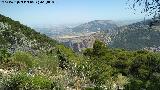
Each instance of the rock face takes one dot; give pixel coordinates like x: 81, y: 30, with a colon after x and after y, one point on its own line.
x: 79, y: 43
x: 83, y: 36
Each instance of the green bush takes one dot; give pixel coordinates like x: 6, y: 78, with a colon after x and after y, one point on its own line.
x: 23, y: 81
x: 24, y: 58
x: 4, y: 55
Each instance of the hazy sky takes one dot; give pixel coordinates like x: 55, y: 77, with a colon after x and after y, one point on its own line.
x: 69, y: 11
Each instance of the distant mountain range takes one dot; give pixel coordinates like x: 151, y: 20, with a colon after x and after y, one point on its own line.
x: 84, y: 35
x: 93, y: 26
x: 139, y: 35
x: 122, y: 34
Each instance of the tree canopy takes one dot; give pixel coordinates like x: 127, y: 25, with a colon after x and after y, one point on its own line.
x: 150, y: 7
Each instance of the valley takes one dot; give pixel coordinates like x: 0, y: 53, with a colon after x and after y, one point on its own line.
x: 80, y: 45
x: 105, y: 57
x: 132, y: 36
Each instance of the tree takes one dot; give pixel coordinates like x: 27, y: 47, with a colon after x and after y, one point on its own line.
x: 151, y: 7
x: 63, y: 62
x: 99, y: 48
x: 88, y: 52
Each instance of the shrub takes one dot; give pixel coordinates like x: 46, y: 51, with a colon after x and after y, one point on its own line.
x: 23, y: 81
x: 24, y: 58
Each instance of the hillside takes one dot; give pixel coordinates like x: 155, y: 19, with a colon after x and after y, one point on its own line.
x: 134, y: 36
x: 137, y: 36
x: 97, y: 25
x: 84, y: 35
x: 15, y: 36
x: 96, y: 68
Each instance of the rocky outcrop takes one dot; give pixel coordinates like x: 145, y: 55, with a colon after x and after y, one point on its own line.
x: 79, y: 43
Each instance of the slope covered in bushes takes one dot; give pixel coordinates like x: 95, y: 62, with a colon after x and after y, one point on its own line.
x: 14, y: 35
x: 59, y: 68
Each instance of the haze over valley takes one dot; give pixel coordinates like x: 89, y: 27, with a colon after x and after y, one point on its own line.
x: 110, y: 32
x: 80, y: 45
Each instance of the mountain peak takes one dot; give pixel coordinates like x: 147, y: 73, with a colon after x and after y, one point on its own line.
x: 96, y: 25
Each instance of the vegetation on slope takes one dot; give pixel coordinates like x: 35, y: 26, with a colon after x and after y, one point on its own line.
x: 137, y: 36
x: 98, y: 68
x: 14, y: 35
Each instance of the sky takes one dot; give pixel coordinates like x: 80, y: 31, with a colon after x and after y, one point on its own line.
x: 69, y: 12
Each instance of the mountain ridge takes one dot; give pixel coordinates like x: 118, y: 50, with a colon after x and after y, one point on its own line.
x: 140, y: 35
x: 96, y: 25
